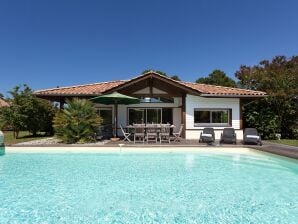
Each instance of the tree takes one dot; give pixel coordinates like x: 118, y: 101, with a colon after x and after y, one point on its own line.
x: 175, y: 77
x: 27, y: 112
x: 257, y: 115
x: 77, y: 122
x: 1, y: 96
x: 11, y: 118
x: 43, y: 113
x: 279, y: 79
x: 217, y: 77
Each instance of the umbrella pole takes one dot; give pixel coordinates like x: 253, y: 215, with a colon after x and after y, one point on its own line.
x: 116, y: 119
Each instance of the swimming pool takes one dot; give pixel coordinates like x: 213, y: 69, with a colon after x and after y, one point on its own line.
x: 196, y: 186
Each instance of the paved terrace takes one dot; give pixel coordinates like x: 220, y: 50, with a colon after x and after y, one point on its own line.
x: 278, y: 149
x: 282, y: 150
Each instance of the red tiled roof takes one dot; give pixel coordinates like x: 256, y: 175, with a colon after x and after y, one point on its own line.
x: 3, y: 103
x: 99, y: 88
x: 211, y: 90
x: 88, y: 89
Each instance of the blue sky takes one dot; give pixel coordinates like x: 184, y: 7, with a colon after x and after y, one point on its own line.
x: 50, y: 43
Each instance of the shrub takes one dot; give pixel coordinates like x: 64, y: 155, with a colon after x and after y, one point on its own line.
x: 265, y: 121
x: 27, y: 112
x: 77, y: 122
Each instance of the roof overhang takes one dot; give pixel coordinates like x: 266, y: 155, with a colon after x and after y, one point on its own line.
x: 232, y: 96
x: 166, y: 87
x: 59, y: 97
x: 154, y: 79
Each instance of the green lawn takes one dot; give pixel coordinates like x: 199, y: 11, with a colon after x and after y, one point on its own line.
x: 291, y: 142
x: 24, y: 136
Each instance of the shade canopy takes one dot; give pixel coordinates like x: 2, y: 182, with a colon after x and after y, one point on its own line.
x: 115, y: 98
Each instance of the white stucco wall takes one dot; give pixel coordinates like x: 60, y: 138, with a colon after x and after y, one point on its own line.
x: 192, y: 102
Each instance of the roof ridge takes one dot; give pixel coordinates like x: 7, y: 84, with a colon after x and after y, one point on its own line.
x: 74, y: 86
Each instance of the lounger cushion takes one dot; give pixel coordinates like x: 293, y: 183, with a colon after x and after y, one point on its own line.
x: 252, y: 136
x: 206, y: 135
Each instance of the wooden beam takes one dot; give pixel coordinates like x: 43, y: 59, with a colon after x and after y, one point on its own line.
x: 155, y: 95
x: 151, y: 87
x: 156, y: 79
x: 183, y: 115
x: 241, y: 113
x: 61, y: 102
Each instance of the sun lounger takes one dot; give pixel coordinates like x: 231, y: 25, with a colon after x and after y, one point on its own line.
x: 228, y: 136
x: 251, y: 136
x: 207, y: 136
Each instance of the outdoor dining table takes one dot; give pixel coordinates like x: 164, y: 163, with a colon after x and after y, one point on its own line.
x: 130, y: 128
x: 158, y: 126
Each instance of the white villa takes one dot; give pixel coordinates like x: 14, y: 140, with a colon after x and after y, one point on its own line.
x: 164, y: 100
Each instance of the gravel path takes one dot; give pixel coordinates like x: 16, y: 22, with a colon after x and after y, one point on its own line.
x: 55, y: 141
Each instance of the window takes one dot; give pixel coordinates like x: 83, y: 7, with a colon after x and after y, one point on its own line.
x: 154, y: 116
x: 136, y: 116
x: 150, y: 115
x: 106, y: 115
x: 167, y: 115
x: 156, y: 100
x: 212, y: 117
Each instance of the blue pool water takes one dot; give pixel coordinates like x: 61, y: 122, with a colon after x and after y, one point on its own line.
x: 147, y: 188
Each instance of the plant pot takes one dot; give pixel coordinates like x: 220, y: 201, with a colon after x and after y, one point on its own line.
x: 114, y: 139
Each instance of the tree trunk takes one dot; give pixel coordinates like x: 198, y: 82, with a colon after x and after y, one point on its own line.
x: 16, y: 133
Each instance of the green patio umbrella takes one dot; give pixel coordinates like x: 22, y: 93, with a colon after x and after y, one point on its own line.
x: 115, y: 99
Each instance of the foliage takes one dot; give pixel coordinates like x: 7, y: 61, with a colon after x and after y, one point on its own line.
x: 43, y: 112
x: 217, y: 77
x: 278, y: 78
x: 11, y: 118
x: 77, y: 122
x: 175, y: 77
x: 27, y: 112
x: 1, y: 96
x: 257, y: 115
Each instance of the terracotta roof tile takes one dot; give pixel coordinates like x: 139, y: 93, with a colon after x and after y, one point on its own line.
x: 221, y: 90
x: 3, y: 103
x: 88, y: 89
x: 98, y: 88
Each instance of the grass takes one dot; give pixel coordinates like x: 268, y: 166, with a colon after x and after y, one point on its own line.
x: 292, y: 142
x: 24, y: 136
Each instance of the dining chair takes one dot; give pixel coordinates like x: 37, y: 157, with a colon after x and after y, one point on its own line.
x: 177, y: 135
x: 139, y: 133
x: 164, y: 135
x: 151, y: 132
x: 125, y: 134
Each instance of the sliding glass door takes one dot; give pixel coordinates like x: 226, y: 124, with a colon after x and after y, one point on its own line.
x: 150, y: 115
x: 153, y: 116
x: 136, y: 116
x: 106, y: 115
